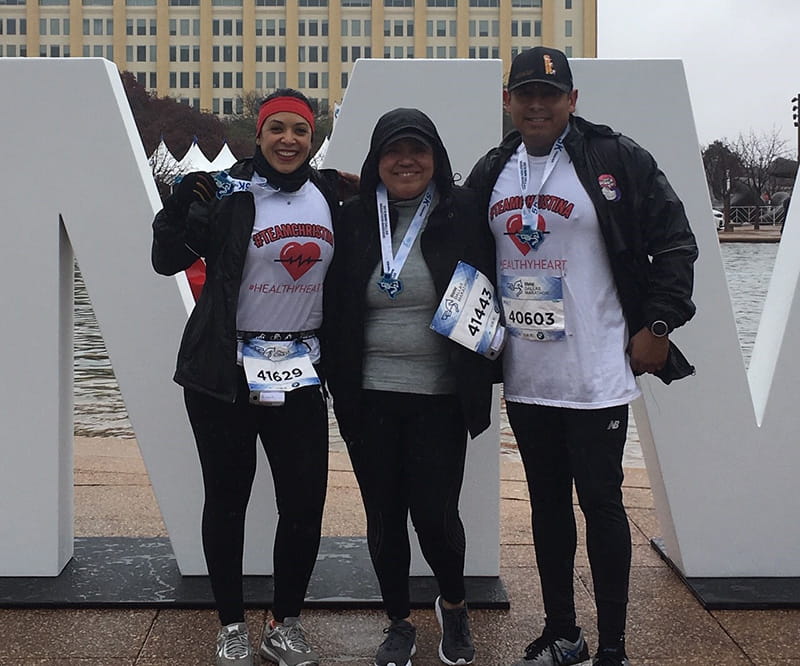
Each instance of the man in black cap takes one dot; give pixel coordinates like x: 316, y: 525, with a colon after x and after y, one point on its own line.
x: 595, y: 269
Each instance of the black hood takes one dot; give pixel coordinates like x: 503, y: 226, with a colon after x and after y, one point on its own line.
x: 405, y: 121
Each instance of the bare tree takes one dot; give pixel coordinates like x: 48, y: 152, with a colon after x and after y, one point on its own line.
x: 165, y: 171
x: 757, y: 153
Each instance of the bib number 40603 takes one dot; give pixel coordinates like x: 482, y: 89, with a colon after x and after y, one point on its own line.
x: 538, y: 318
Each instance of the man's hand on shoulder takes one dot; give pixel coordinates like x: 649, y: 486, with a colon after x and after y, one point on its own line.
x: 648, y: 353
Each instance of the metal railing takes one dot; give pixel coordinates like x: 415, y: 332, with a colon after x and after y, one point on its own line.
x: 766, y: 215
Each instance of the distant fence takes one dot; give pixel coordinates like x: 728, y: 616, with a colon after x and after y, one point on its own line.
x: 757, y: 214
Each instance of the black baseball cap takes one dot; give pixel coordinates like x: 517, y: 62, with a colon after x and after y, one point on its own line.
x: 540, y: 65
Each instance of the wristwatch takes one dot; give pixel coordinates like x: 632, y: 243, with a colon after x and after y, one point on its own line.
x: 659, y: 328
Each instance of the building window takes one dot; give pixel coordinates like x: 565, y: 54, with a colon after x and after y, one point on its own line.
x: 526, y: 3
x: 568, y: 51
x: 398, y: 3
x: 356, y: 3
x: 485, y: 3
x: 568, y: 28
x: 567, y: 4
x: 441, y: 3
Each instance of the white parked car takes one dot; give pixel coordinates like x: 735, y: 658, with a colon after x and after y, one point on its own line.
x: 719, y: 218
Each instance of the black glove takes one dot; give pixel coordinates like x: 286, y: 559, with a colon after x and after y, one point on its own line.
x: 195, y: 186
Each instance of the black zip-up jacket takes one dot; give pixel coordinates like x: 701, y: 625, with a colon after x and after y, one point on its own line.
x: 647, y: 236
x: 219, y: 232
x: 456, y: 230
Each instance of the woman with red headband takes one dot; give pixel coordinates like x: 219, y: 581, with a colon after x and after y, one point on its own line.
x: 249, y: 360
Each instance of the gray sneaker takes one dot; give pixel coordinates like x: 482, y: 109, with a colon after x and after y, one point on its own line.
x: 550, y: 650
x: 233, y: 646
x: 456, y: 646
x: 399, y: 645
x: 286, y: 645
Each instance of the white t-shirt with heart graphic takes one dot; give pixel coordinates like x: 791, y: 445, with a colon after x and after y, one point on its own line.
x: 582, y: 362
x: 290, y: 249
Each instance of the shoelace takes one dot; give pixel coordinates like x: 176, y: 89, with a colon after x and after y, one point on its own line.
x: 398, y: 635
x: 295, y: 638
x: 540, y: 646
x: 236, y: 645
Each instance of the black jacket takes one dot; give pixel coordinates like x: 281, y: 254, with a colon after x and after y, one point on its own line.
x: 456, y: 230
x: 650, y: 245
x: 220, y: 232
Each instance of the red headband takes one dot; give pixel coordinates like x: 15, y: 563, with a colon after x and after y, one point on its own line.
x: 278, y: 104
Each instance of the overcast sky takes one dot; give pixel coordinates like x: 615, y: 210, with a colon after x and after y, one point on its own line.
x: 741, y: 57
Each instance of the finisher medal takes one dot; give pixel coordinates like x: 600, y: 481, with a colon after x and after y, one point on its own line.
x: 391, y: 286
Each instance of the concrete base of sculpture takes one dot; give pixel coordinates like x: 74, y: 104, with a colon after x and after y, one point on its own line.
x: 736, y: 592
x: 119, y: 571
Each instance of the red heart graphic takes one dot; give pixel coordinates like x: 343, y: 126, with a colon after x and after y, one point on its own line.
x: 513, y: 225
x: 298, y: 258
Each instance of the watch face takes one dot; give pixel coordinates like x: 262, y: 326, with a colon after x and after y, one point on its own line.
x: 659, y: 328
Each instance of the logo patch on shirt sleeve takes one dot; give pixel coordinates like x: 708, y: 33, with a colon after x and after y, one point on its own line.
x: 608, y: 186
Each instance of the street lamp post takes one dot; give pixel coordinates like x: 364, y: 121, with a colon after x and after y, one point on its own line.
x: 796, y: 119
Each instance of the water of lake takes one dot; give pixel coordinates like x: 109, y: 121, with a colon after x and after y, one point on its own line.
x: 100, y: 412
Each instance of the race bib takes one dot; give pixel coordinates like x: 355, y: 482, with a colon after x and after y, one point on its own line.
x: 469, y: 313
x: 533, y: 307
x: 274, y: 368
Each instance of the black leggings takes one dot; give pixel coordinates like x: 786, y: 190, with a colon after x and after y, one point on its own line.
x: 295, y: 438
x: 558, y: 445
x: 410, y: 459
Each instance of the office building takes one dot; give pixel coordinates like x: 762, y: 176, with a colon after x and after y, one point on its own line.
x: 209, y: 53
